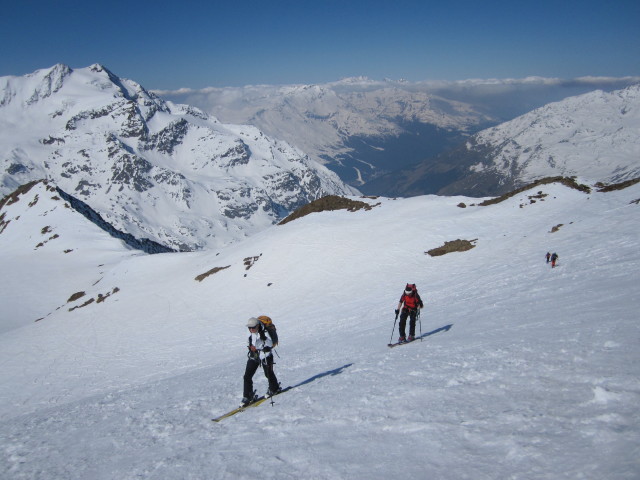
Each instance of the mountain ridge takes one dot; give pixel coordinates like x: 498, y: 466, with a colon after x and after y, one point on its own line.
x: 353, y: 126
x: 153, y: 169
x: 595, y: 135
x: 368, y: 131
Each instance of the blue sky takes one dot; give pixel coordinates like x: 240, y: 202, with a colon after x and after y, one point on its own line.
x: 195, y: 44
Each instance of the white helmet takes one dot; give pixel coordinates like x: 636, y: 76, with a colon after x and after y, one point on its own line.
x: 252, y: 322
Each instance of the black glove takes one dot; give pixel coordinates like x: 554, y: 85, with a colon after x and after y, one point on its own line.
x: 255, y: 356
x: 266, y: 349
x: 397, y: 312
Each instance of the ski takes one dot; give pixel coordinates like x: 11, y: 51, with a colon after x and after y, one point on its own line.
x: 242, y: 408
x: 397, y: 344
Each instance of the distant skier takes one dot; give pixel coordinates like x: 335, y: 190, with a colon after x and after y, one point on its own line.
x: 554, y: 259
x: 260, y: 346
x: 548, y: 256
x: 412, y: 302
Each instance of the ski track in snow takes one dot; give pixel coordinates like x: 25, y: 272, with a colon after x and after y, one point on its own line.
x: 522, y: 371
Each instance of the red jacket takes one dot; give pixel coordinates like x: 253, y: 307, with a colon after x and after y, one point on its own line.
x: 412, y: 301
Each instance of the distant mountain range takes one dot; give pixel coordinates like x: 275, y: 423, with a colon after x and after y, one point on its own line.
x: 358, y: 128
x: 595, y: 136
x: 171, y: 176
x: 151, y: 168
x: 369, y: 131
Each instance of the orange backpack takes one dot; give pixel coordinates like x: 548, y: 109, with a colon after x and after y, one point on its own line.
x: 269, y: 327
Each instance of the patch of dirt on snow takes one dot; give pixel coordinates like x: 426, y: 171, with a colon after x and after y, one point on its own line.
x: 330, y: 202
x: 452, y: 246
x: 567, y: 181
x: 204, y: 275
x: 616, y: 186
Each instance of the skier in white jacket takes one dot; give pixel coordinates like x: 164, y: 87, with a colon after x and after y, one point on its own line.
x: 260, y: 352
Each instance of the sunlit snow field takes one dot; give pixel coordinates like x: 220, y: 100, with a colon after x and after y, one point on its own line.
x: 522, y: 371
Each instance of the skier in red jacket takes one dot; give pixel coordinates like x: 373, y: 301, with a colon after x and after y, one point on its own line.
x: 412, y: 302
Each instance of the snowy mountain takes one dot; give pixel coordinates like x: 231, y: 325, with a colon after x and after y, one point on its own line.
x: 364, y: 129
x: 595, y: 136
x: 360, y: 128
x: 151, y: 168
x: 114, y: 361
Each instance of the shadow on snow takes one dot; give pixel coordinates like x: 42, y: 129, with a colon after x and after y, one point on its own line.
x: 336, y: 371
x: 446, y: 328
x: 339, y: 370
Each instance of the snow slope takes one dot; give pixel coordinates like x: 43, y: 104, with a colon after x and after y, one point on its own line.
x: 522, y: 371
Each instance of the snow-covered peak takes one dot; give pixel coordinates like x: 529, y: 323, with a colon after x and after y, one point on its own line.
x: 31, y: 88
x: 153, y: 169
x: 595, y: 135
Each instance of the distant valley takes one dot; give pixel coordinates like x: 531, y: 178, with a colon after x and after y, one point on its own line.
x: 400, y: 138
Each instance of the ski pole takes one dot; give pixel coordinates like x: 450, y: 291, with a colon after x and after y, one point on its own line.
x: 394, y: 327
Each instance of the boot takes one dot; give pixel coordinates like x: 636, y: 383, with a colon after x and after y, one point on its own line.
x: 247, y: 400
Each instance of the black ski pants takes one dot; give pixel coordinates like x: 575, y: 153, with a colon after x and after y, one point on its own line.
x: 412, y: 314
x: 250, y: 370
